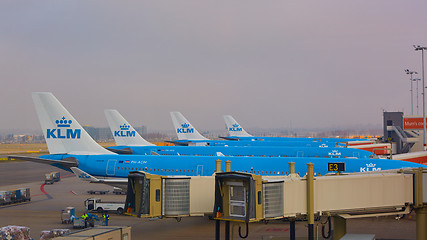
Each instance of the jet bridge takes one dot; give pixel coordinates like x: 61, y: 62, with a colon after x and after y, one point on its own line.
x: 243, y: 198
x: 239, y: 198
x: 284, y: 197
x: 152, y: 195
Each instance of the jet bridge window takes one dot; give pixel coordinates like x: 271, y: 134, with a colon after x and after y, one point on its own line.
x: 237, y: 201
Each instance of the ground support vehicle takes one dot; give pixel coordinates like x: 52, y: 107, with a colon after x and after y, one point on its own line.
x: 95, y: 204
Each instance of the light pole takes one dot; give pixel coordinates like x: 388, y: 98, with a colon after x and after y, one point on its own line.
x: 418, y: 48
x: 417, y: 80
x: 412, y: 95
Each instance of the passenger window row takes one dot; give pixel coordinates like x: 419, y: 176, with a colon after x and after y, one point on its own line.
x: 154, y: 169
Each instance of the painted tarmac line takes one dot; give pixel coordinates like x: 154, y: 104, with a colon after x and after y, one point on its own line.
x: 43, y: 192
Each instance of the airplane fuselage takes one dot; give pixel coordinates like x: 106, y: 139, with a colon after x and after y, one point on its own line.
x: 247, y: 151
x: 291, y: 139
x: 120, y: 165
x: 257, y: 143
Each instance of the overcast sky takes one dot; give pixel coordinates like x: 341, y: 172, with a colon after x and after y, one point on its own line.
x: 270, y: 64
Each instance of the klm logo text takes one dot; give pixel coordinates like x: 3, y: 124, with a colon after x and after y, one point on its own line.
x: 235, y: 128
x: 124, y: 133
x: 370, y: 168
x: 63, y: 133
x: 185, y: 130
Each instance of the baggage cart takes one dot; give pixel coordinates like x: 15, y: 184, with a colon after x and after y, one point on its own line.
x: 5, y: 197
x: 65, y: 218
x: 56, y: 176
x: 102, y: 192
x: 48, y: 178
x: 118, y: 191
x: 78, y: 223
x: 15, y: 195
x: 68, y: 215
x: 25, y: 194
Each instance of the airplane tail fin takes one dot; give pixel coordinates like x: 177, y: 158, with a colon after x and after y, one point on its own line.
x: 184, y: 129
x: 234, y: 128
x: 62, y: 132
x: 124, y: 134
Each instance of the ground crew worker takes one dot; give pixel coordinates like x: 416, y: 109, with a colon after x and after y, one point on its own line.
x: 106, y: 218
x: 84, y: 217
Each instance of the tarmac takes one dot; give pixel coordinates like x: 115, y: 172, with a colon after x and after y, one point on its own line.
x: 43, y: 212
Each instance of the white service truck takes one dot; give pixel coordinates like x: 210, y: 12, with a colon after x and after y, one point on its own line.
x: 95, y: 204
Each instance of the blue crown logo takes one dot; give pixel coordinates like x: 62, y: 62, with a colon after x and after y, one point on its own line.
x: 185, y: 125
x: 235, y: 125
x: 63, y: 122
x: 124, y: 127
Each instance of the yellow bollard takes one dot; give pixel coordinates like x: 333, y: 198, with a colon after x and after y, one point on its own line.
x: 228, y: 166
x: 291, y: 168
x: 218, y: 165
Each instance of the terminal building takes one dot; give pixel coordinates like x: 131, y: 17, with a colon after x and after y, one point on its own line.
x: 405, y: 133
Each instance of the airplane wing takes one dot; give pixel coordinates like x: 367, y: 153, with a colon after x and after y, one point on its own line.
x: 189, y: 143
x: 66, y: 163
x: 115, y: 182
x: 231, y: 138
x: 179, y: 143
x: 128, y: 151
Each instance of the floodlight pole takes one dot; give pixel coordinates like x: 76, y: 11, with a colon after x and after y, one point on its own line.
x: 416, y: 80
x: 418, y: 48
x: 412, y: 92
